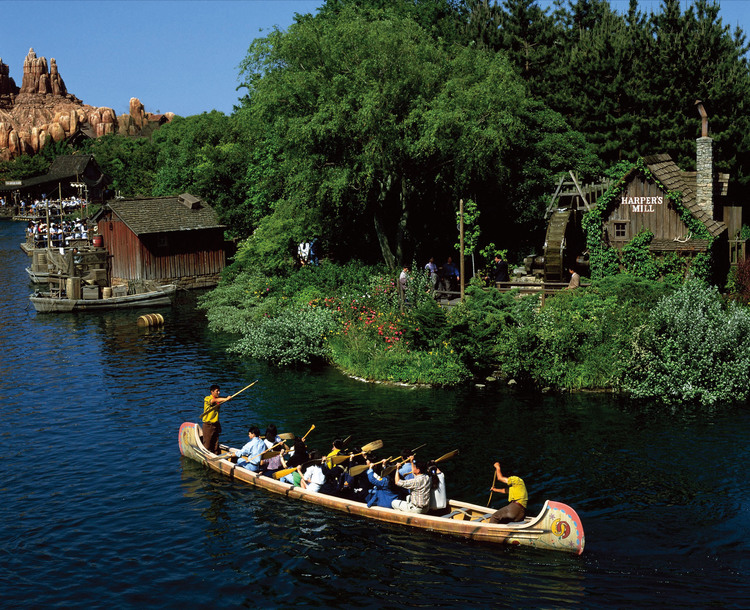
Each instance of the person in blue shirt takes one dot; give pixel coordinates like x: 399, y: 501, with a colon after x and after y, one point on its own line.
x: 382, y: 493
x: 249, y: 455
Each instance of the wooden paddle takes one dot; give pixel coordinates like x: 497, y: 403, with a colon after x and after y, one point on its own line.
x: 413, y: 451
x: 360, y: 468
x: 282, y: 473
x: 267, y: 454
x: 442, y: 458
x: 494, y: 480
x: 447, y: 456
x: 340, y: 459
x: 356, y: 470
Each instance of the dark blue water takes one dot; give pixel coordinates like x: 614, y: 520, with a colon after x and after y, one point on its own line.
x: 99, y: 508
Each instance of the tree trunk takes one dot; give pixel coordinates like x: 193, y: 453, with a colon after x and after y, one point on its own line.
x: 385, y: 248
x: 393, y: 257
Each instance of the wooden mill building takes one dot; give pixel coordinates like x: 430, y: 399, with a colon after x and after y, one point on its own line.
x: 168, y: 240
x: 701, y: 219
x: 643, y: 205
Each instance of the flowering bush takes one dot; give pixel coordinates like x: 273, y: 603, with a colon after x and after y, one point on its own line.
x: 692, y: 349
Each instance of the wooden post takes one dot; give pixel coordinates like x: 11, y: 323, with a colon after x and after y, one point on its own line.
x: 62, y: 228
x: 49, y: 245
x: 461, y: 237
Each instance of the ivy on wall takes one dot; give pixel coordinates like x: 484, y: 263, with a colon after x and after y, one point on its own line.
x: 636, y: 258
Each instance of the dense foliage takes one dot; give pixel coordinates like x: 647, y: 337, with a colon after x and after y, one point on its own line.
x: 365, y: 124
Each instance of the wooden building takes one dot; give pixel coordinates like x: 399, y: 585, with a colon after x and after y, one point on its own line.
x: 687, y: 213
x: 644, y: 205
x: 163, y: 239
x: 71, y: 175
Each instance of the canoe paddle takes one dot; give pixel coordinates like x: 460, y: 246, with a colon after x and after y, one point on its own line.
x: 267, y: 454
x: 494, y: 479
x: 413, y: 451
x: 442, y: 458
x: 340, y: 459
x: 447, y: 456
x: 282, y: 473
x: 356, y: 470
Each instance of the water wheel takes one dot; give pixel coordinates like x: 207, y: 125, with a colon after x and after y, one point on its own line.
x: 562, y: 245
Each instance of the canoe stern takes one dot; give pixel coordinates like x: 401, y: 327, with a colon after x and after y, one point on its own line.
x: 563, y: 529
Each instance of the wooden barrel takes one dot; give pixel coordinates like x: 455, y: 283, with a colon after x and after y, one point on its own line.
x: 151, y: 319
x: 107, y: 292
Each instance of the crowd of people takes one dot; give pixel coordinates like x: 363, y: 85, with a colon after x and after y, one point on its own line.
x: 39, y: 207
x: 405, y: 483
x: 58, y: 234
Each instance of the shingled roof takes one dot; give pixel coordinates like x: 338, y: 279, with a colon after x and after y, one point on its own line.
x: 67, y: 167
x: 671, y: 176
x: 164, y: 214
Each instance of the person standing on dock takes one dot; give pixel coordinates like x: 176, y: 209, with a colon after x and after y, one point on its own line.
x: 211, y: 425
x: 518, y: 498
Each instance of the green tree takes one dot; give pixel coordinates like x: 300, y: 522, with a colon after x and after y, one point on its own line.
x: 206, y: 155
x: 375, y: 131
x: 130, y: 162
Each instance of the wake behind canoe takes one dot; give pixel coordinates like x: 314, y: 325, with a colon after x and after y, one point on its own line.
x: 557, y: 527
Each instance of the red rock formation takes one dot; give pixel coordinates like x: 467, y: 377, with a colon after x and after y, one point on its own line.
x: 43, y: 111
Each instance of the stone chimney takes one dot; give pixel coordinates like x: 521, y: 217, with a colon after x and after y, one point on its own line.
x: 704, y: 165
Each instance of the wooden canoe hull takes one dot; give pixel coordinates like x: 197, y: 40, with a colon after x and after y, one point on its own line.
x: 557, y: 527
x: 45, y: 304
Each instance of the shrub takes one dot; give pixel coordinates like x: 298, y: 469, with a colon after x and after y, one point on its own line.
x: 295, y: 336
x: 692, y: 349
x: 232, y: 306
x: 738, y: 282
x: 581, y: 338
x: 440, y: 367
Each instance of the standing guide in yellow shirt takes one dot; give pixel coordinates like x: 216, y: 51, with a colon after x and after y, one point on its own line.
x: 211, y: 425
x: 518, y: 498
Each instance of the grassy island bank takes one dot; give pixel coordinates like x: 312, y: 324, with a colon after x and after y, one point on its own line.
x: 648, y: 339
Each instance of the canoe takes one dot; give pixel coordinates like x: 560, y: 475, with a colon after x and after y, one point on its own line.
x: 557, y: 527
x: 44, y: 303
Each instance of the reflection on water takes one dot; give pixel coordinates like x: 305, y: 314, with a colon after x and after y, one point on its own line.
x: 100, y: 509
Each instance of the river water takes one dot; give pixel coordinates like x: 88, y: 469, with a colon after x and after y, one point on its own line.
x: 99, y: 508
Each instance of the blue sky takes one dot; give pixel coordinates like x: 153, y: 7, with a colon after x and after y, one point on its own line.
x: 173, y: 55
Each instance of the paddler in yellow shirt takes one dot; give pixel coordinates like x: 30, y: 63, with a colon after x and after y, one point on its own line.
x: 518, y: 498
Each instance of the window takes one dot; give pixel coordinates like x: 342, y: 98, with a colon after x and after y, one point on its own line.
x: 620, y: 230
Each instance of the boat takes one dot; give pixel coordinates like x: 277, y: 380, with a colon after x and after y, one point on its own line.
x: 48, y: 303
x: 38, y: 277
x: 557, y: 527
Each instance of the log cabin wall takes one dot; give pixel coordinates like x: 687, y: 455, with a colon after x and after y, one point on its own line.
x: 643, y: 206
x: 172, y: 256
